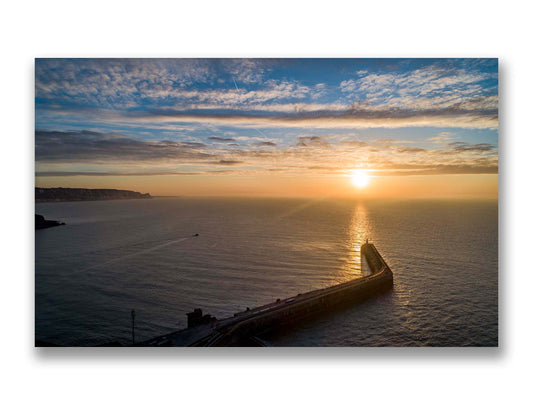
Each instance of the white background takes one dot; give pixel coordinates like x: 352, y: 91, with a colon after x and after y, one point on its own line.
x: 264, y: 377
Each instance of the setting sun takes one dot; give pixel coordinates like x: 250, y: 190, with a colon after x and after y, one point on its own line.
x: 360, y: 178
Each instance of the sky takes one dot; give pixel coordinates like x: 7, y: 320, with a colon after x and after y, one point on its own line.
x: 419, y: 128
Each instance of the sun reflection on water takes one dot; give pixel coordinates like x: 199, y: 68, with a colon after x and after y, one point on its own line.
x: 358, y: 233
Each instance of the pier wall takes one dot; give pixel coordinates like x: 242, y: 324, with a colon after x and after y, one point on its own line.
x: 322, y: 301
x: 283, y: 314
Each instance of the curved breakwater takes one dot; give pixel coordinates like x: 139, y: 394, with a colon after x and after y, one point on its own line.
x: 205, y: 330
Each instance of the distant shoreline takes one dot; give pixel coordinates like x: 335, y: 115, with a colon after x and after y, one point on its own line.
x: 59, y: 194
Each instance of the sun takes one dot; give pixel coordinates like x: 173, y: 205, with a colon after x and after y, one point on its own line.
x: 360, y: 178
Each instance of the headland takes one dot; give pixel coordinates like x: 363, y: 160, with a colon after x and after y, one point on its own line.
x: 84, y: 194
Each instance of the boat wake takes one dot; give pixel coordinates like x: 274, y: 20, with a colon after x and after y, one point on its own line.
x: 139, y: 253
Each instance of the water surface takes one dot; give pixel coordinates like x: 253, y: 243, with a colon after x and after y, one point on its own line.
x: 114, y: 256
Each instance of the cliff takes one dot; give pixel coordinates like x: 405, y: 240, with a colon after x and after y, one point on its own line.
x: 84, y: 194
x: 42, y: 223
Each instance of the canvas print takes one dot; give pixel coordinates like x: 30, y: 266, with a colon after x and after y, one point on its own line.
x: 266, y: 202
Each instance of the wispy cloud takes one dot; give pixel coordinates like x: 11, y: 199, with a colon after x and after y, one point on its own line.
x: 222, y: 140
x: 312, y: 141
x: 120, y: 151
x: 439, y: 94
x: 441, y: 86
x: 92, y: 146
x: 228, y: 162
x: 441, y: 138
x: 264, y: 144
x: 462, y: 146
x: 361, y: 118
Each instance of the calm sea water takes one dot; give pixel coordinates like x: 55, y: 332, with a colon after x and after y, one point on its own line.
x: 114, y: 256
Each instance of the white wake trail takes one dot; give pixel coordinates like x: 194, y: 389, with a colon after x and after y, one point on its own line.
x: 129, y: 256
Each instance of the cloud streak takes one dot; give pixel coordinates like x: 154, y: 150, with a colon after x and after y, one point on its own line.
x: 86, y: 146
x: 222, y: 140
x: 119, y: 154
x: 454, y: 116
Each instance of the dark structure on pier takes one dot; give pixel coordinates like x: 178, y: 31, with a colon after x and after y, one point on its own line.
x: 244, y: 327
x: 197, y: 318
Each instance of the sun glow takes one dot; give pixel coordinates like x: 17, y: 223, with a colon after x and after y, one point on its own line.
x: 360, y: 178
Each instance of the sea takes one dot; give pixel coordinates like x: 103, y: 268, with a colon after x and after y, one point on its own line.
x: 164, y: 257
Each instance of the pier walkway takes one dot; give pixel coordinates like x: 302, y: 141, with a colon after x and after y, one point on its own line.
x: 237, y: 330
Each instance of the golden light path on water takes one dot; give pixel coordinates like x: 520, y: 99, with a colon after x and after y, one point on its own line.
x: 359, y: 231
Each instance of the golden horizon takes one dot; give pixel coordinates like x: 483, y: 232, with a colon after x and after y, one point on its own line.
x: 357, y: 185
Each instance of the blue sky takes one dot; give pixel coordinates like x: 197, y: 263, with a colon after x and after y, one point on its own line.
x: 105, y: 117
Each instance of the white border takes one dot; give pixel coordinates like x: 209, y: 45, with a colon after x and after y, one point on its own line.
x: 437, y: 377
